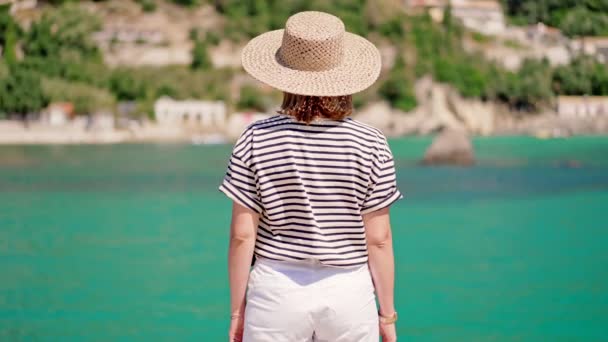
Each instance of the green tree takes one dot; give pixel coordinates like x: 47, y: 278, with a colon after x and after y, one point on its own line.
x: 200, y: 56
x: 9, y: 32
x: 86, y: 98
x: 187, y: 2
x: 126, y: 87
x: 397, y: 88
x: 64, y: 30
x: 573, y: 79
x: 527, y: 89
x: 21, y: 93
x: 392, y: 29
x: 448, y: 20
x: 573, y: 17
x: 584, y: 76
x: 251, y: 99
x: 147, y: 5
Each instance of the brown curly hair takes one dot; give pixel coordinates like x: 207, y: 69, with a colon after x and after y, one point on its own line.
x: 308, y: 108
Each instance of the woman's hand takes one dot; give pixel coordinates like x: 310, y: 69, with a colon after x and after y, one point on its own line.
x: 236, y: 328
x: 388, y: 332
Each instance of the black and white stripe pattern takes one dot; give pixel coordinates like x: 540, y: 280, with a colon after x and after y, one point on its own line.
x: 311, y: 184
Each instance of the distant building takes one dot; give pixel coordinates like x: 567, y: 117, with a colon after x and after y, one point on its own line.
x: 58, y: 114
x: 541, y: 33
x: 484, y: 16
x: 191, y: 113
x: 129, y: 34
x: 582, y: 106
x: 597, y: 46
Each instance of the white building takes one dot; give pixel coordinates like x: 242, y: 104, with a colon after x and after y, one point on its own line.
x: 129, y: 34
x: 484, y: 16
x: 582, y: 106
x: 58, y: 114
x: 190, y: 113
x: 597, y: 46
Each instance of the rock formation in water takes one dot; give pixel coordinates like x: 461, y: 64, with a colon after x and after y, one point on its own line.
x: 450, y: 147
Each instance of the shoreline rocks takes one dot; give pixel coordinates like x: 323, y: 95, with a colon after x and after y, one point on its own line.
x: 450, y: 147
x: 440, y: 107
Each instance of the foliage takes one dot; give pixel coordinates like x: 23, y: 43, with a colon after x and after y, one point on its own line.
x: 200, y: 56
x: 574, y: 17
x: 527, y: 89
x: 397, y: 88
x: 392, y: 29
x: 182, y: 82
x: 251, y: 99
x: 58, y: 47
x: 9, y: 33
x: 212, y: 38
x: 187, y: 2
x: 480, y: 37
x: 70, y: 68
x: 20, y: 92
x: 470, y: 80
x: 246, y: 19
x: 86, y: 98
x: 126, y: 87
x: 66, y: 30
x: 584, y: 76
x: 147, y: 5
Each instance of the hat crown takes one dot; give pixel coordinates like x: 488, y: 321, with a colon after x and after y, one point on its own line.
x: 312, y: 41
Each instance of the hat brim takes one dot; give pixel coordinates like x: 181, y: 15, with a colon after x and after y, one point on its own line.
x: 359, y: 69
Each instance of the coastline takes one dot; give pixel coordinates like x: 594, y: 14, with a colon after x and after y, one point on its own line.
x: 155, y: 134
x: 424, y: 122
x: 16, y: 133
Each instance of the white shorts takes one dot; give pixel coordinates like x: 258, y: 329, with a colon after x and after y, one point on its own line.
x: 297, y: 302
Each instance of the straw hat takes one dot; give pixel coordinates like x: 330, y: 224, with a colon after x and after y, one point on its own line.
x: 313, y: 55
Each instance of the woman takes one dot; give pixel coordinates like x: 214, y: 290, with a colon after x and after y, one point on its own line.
x: 311, y: 189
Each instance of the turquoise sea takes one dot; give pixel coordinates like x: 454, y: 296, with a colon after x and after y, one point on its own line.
x: 129, y: 243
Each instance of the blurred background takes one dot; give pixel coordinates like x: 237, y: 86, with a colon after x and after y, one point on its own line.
x: 117, y: 119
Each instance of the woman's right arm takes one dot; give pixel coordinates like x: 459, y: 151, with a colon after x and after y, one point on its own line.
x: 382, y: 264
x: 243, y: 230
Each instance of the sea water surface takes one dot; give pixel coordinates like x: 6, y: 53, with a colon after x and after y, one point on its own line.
x: 129, y: 243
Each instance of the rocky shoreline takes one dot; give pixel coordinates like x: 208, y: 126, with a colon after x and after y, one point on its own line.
x: 442, y: 108
x: 16, y: 133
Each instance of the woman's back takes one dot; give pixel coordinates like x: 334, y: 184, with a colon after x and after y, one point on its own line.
x: 311, y: 190
x: 311, y: 183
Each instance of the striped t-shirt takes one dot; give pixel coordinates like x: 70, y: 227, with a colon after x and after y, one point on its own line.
x: 311, y: 184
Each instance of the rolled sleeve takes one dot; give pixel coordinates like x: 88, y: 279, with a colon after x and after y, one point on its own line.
x: 239, y: 185
x: 383, y: 189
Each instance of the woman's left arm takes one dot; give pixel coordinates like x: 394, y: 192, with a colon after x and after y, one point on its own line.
x: 243, y: 230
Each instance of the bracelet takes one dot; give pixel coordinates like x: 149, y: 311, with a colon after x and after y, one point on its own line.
x: 387, y: 319
x: 235, y: 315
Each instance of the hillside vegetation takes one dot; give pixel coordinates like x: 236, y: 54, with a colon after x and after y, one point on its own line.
x: 573, y: 17
x: 62, y: 63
